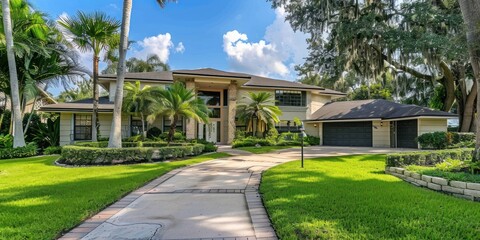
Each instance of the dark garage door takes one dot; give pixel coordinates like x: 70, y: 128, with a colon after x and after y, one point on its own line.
x: 406, y: 133
x: 357, y: 134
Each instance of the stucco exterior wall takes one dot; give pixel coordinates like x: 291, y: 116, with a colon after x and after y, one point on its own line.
x: 381, y: 134
x: 105, y: 120
x: 316, y: 102
x: 66, y: 128
x: 311, y: 129
x: 427, y: 125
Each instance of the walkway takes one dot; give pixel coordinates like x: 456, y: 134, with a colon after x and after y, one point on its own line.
x: 217, y: 199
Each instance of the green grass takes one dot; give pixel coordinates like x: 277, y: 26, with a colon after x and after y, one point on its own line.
x: 452, y: 176
x: 263, y: 149
x: 350, y: 197
x: 39, y: 200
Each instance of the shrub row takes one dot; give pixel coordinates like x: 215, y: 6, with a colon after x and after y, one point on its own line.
x: 19, y: 152
x: 427, y: 157
x: 104, y: 144
x: 286, y: 139
x: 252, y: 141
x: 442, y: 140
x: 81, y: 155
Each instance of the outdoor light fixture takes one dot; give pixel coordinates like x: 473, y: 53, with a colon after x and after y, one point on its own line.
x: 314, y: 125
x: 381, y: 124
x: 302, y: 132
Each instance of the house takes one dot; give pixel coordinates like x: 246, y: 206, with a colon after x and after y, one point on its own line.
x: 43, y: 99
x: 352, y: 123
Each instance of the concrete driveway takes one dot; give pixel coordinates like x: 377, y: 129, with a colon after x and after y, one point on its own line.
x: 217, y: 199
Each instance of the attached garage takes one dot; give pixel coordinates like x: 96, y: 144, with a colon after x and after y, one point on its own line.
x: 406, y: 132
x: 375, y: 123
x: 358, y: 134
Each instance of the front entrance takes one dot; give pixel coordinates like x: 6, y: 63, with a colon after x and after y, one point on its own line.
x: 209, y: 132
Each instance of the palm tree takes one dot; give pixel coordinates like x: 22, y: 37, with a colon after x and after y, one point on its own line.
x: 115, y: 140
x: 92, y: 32
x: 19, y: 137
x: 137, y: 100
x: 259, y: 106
x: 177, y: 102
x: 151, y: 64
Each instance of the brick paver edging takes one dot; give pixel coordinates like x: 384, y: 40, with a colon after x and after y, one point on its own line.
x: 260, y: 220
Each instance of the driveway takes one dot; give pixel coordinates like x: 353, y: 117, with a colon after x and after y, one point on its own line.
x: 217, y: 199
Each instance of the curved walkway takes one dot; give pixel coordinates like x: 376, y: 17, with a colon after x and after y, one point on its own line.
x: 217, y: 199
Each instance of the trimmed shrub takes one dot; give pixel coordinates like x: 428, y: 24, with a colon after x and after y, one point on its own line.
x: 435, y: 140
x: 458, y: 137
x: 81, y: 155
x: 427, y: 157
x: 154, y: 132
x: 19, y: 152
x: 6, y: 141
x: 52, y: 150
x: 77, y: 155
x: 312, y: 140
x: 292, y: 143
x: 251, y: 142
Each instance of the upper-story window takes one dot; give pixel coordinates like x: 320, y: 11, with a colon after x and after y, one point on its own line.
x: 210, y: 98
x: 290, y: 98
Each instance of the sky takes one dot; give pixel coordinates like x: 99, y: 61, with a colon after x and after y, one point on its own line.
x: 245, y: 36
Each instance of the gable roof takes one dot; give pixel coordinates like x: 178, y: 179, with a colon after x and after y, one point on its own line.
x: 373, y: 109
x: 210, y: 72
x: 149, y: 76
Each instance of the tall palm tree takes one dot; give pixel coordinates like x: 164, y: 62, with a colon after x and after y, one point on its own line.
x: 115, y: 140
x: 151, y: 64
x: 177, y: 102
x: 259, y: 106
x: 137, y: 100
x: 19, y: 137
x: 92, y: 32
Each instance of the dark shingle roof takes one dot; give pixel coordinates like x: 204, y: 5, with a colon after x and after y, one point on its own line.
x: 253, y: 80
x: 149, y: 76
x: 373, y: 109
x: 84, y: 105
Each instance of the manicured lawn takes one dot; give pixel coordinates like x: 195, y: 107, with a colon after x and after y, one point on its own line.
x: 39, y: 200
x: 263, y: 149
x: 351, y: 198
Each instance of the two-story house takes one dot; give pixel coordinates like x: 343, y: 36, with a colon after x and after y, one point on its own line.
x: 376, y: 123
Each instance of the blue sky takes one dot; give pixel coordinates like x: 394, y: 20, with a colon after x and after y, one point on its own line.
x: 245, y: 36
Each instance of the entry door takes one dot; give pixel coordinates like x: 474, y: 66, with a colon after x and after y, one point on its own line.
x: 407, y: 133
x: 209, y: 132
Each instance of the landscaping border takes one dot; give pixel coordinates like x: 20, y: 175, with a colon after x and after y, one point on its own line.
x: 466, y: 190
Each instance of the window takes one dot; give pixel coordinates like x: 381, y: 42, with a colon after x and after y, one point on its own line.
x: 82, y: 127
x: 136, y: 126
x: 290, y: 98
x: 167, y: 122
x: 210, y: 98
x: 214, y: 113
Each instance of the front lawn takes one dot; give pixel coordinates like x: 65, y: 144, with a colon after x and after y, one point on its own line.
x: 263, y: 149
x: 350, y: 197
x: 39, y: 200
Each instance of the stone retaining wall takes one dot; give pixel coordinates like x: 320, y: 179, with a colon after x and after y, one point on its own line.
x: 465, y: 190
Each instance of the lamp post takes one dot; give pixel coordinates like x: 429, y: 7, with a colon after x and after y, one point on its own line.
x: 302, y: 132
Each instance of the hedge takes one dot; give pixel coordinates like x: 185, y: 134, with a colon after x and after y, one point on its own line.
x: 19, y: 152
x: 427, y: 157
x: 103, y: 144
x: 80, y: 155
x: 251, y: 142
x: 442, y: 140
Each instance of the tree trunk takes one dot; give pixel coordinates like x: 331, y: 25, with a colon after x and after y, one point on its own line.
x: 115, y: 140
x: 95, y: 99
x: 30, y: 116
x: 144, y: 134
x: 449, y: 84
x: 468, y: 113
x: 173, y: 126
x: 18, y: 136
x: 471, y: 16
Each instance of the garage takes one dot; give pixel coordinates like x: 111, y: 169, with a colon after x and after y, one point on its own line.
x: 357, y: 134
x: 407, y: 131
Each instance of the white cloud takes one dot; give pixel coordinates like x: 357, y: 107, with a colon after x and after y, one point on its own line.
x: 180, y: 48
x: 160, y: 45
x: 275, y: 55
